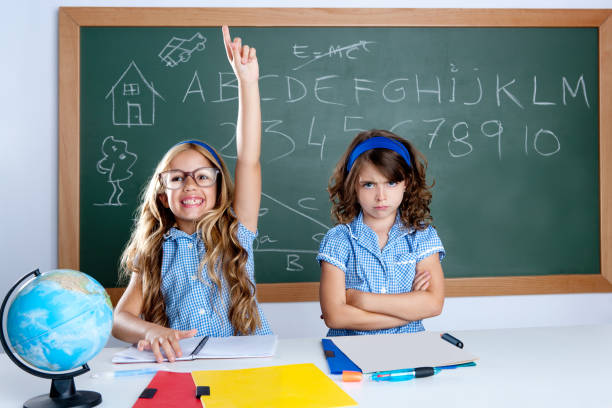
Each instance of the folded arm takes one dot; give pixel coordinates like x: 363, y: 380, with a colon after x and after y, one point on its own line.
x: 415, y: 305
x: 338, y: 314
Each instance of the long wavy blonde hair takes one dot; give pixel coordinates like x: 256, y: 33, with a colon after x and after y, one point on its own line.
x: 218, y: 229
x: 414, y: 209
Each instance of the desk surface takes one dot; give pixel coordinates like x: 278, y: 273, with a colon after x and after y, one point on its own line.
x: 561, y: 367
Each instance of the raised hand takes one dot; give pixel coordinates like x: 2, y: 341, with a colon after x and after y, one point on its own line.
x: 242, y: 58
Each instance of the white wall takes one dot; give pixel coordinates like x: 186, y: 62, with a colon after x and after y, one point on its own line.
x: 28, y: 169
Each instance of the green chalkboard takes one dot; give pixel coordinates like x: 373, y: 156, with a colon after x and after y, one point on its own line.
x: 507, y: 117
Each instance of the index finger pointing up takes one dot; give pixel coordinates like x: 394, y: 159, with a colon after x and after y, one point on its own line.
x: 227, y: 40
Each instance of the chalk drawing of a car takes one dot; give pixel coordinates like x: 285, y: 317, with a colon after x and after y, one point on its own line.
x: 180, y: 49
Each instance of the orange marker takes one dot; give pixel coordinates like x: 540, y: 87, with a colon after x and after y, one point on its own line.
x: 351, y: 376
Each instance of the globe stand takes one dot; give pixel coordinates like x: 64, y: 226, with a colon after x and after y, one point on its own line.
x: 63, y: 393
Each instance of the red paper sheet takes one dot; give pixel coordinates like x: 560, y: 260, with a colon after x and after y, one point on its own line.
x: 174, y: 390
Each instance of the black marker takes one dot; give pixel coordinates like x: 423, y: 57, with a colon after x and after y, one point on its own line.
x: 452, y: 340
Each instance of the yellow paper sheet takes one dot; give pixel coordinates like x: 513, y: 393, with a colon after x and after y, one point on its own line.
x: 292, y: 386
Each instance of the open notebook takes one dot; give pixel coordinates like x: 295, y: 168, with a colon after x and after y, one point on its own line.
x: 208, y: 347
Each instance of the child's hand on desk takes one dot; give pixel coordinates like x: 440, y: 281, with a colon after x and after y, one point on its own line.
x: 162, y: 338
x: 242, y: 58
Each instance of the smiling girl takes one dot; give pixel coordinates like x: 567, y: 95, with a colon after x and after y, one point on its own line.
x: 190, y: 256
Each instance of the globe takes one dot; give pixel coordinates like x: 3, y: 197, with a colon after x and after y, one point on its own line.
x: 59, y: 320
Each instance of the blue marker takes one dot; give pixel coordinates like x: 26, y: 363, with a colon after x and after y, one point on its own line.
x: 405, y: 375
x: 126, y: 373
x: 420, y: 372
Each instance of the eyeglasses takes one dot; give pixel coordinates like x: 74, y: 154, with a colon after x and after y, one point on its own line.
x: 175, y: 179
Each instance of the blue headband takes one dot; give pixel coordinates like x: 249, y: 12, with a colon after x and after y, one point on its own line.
x: 378, y: 142
x: 204, y: 145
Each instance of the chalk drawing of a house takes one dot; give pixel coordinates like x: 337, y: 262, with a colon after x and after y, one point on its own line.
x: 133, y: 99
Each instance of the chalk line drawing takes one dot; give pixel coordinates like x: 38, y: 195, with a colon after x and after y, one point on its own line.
x: 179, y: 50
x: 291, y: 252
x: 363, y: 44
x: 301, y: 203
x: 116, y: 163
x: 292, y: 263
x: 269, y: 129
x: 133, y: 99
x: 318, y: 237
x: 283, y: 250
x: 296, y: 211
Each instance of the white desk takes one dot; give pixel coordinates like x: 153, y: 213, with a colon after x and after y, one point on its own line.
x: 518, y: 368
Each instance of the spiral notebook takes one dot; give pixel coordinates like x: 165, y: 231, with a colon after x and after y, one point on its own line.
x: 208, y: 347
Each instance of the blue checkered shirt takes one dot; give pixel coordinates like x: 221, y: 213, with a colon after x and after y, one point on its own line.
x: 192, y: 303
x: 354, y: 249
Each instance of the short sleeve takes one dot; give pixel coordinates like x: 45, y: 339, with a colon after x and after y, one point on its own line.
x: 246, y: 237
x: 335, y: 247
x: 427, y: 243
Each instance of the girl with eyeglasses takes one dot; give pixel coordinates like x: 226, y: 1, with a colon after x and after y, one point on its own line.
x: 190, y: 256
x: 380, y: 266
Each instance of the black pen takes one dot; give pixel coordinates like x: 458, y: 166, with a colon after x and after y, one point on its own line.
x: 200, y: 345
x: 452, y: 340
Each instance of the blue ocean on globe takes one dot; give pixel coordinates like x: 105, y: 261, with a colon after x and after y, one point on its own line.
x: 60, y: 320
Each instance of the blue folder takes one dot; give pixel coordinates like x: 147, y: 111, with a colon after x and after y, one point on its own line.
x: 336, y: 359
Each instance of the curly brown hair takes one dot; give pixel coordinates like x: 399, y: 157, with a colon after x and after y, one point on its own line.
x: 414, y: 209
x: 224, y: 254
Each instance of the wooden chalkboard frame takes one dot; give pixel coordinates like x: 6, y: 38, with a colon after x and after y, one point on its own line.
x: 71, y: 19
